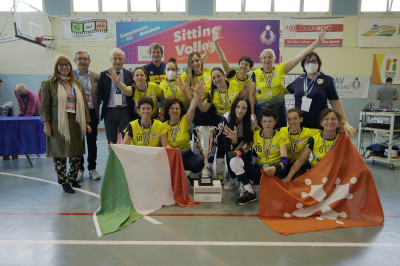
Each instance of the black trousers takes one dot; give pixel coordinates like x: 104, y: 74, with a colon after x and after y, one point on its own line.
x: 91, y: 139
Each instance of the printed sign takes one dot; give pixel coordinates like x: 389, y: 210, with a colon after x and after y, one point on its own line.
x: 386, y: 66
x: 379, y: 32
x: 88, y: 29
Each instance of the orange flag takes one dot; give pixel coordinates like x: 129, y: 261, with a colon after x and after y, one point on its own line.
x: 339, y: 191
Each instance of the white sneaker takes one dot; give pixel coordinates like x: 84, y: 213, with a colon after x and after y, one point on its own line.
x: 242, y: 190
x: 94, y: 174
x: 79, y: 177
x: 231, y: 185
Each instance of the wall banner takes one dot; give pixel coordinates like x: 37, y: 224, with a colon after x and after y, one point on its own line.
x: 303, y: 32
x: 352, y: 86
x: 87, y: 29
x: 379, y: 32
x: 180, y: 38
x: 386, y: 66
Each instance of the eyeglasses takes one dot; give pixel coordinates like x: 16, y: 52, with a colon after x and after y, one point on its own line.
x: 314, y: 61
x: 83, y: 59
x: 63, y: 65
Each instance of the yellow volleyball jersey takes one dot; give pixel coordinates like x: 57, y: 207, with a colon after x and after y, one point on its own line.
x: 270, y: 87
x: 205, y: 77
x: 298, y: 141
x: 223, y: 100
x: 178, y: 135
x: 145, y: 136
x: 152, y: 91
x: 243, y: 84
x: 268, y: 149
x: 320, y: 147
x: 171, y: 91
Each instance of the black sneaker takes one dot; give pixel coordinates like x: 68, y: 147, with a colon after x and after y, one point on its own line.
x: 247, y: 197
x: 67, y: 188
x: 75, y: 183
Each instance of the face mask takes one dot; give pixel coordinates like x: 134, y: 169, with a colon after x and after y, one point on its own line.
x: 311, y: 68
x: 171, y: 74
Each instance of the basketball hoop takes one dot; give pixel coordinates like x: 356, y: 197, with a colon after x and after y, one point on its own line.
x: 47, y: 40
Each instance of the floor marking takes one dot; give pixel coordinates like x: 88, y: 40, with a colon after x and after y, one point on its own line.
x: 203, y: 214
x: 198, y: 243
x: 151, y: 220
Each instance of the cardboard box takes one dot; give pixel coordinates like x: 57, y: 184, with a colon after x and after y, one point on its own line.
x: 208, y: 193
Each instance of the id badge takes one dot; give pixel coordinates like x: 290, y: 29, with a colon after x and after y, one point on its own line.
x: 88, y: 98
x: 118, y: 99
x: 70, y: 106
x: 306, y: 104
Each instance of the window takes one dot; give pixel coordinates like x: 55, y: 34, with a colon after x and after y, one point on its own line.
x: 316, y: 6
x: 380, y: 6
x: 86, y: 6
x: 258, y: 6
x: 6, y: 5
x: 287, y: 6
x: 143, y: 6
x: 115, y: 5
x: 228, y: 6
x: 25, y: 6
x: 172, y: 5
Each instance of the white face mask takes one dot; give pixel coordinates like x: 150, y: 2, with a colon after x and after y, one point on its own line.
x: 171, y: 74
x: 311, y: 68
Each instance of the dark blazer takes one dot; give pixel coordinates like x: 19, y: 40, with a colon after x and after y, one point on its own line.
x: 104, y: 89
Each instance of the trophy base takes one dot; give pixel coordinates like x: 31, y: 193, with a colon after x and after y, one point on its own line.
x: 205, y: 181
x: 208, y: 193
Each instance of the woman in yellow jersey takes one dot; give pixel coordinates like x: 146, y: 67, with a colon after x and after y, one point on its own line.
x: 221, y: 96
x: 298, y: 137
x: 144, y: 131
x: 270, y: 147
x: 320, y: 143
x: 173, y: 87
x: 267, y: 87
x: 245, y: 64
x: 176, y: 131
x: 141, y: 88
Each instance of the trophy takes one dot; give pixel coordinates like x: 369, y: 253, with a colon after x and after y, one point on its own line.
x: 206, y: 136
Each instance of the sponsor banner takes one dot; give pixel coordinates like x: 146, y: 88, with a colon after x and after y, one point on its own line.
x: 303, y: 32
x: 379, y: 32
x: 180, y: 38
x: 87, y: 29
x: 352, y: 86
x: 386, y: 66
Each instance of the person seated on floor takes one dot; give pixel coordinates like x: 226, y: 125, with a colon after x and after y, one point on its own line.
x: 144, y: 131
x: 176, y: 130
x: 28, y: 102
x: 270, y: 146
x: 298, y: 137
x: 320, y: 143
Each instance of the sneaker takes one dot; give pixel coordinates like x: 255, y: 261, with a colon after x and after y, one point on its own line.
x: 75, y: 183
x: 242, y: 190
x: 247, y: 197
x: 94, y: 174
x: 79, y: 177
x: 231, y: 185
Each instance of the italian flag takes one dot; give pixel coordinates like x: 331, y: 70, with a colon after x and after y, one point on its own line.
x: 138, y: 181
x: 338, y: 192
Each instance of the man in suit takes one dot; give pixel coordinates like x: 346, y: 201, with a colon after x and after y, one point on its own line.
x: 89, y: 81
x: 118, y: 109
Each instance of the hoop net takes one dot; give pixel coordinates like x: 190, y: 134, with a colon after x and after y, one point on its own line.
x: 48, y: 40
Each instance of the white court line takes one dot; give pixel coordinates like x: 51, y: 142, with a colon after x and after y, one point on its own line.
x: 149, y: 219
x: 199, y: 243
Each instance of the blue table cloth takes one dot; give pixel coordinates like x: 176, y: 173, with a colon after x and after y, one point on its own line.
x: 22, y: 135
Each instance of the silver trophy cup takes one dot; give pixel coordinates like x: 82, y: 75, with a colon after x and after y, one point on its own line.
x: 206, y: 136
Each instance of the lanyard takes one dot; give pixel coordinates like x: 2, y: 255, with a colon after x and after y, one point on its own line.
x: 293, y: 147
x: 197, y: 80
x: 117, y: 90
x: 226, y: 97
x: 308, y: 87
x: 70, y: 95
x: 268, y: 79
x: 145, y: 92
x: 79, y: 76
x: 267, y: 151
x: 334, y: 140
x: 146, y: 135
x: 173, y: 88
x: 174, y: 131
x: 246, y: 82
